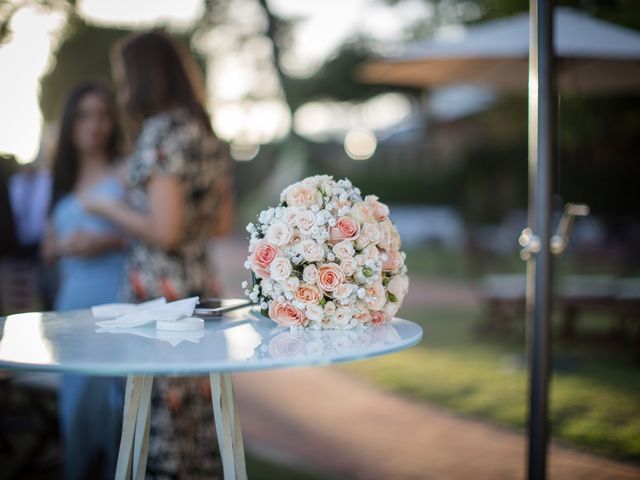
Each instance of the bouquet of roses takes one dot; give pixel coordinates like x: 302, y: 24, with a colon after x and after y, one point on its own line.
x: 326, y: 258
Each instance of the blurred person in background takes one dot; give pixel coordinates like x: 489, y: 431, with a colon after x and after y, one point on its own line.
x: 89, y: 251
x: 176, y: 179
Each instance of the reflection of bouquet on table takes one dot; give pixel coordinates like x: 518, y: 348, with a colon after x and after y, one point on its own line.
x: 326, y: 258
x: 308, y: 343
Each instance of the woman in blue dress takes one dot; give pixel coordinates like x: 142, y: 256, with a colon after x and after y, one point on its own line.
x: 89, y: 252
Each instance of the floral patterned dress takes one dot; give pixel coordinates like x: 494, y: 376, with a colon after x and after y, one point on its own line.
x: 182, y: 437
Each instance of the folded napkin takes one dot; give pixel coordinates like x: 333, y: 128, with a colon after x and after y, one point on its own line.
x: 172, y: 311
x: 173, y: 338
x: 113, y: 310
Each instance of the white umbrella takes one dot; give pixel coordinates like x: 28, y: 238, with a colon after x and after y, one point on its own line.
x: 591, y: 56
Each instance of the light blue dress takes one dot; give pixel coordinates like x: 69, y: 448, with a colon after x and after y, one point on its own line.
x: 90, y: 407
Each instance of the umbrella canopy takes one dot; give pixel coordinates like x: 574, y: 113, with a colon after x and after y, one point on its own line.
x: 592, y: 56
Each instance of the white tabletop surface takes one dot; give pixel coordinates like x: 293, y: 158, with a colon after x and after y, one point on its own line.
x: 241, y: 341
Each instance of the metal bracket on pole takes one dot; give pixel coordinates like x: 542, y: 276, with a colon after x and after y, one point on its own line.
x: 530, y: 242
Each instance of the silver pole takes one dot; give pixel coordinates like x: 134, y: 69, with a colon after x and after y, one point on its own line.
x: 542, y: 133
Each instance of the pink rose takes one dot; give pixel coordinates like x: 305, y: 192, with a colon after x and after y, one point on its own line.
x: 262, y: 257
x: 329, y: 277
x: 309, y: 294
x: 346, y: 228
x: 285, y: 314
x: 393, y: 263
x: 377, y: 318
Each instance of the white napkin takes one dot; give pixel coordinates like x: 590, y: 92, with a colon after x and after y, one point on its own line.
x: 113, y: 310
x: 173, y: 338
x: 168, y: 312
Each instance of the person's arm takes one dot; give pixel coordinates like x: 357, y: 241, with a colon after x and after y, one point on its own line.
x: 161, y: 226
x: 49, y: 248
x: 90, y: 244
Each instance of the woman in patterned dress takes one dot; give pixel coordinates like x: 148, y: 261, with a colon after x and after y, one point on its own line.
x: 175, y: 178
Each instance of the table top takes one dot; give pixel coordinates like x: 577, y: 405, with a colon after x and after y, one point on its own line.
x: 244, y: 340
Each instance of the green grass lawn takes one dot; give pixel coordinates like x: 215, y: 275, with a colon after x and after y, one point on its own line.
x: 595, y: 391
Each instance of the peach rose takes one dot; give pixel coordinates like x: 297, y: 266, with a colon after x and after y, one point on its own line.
x: 379, y: 210
x: 262, y: 257
x: 377, y: 318
x: 285, y: 314
x: 329, y: 277
x: 393, y: 263
x: 363, y: 315
x: 309, y: 294
x: 346, y: 228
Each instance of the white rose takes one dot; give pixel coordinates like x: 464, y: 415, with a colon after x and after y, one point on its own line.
x: 301, y: 195
x: 349, y: 266
x: 311, y: 251
x: 371, y: 253
x: 289, y: 215
x: 291, y: 284
x: 360, y: 259
x: 390, y: 310
x: 371, y: 232
x: 329, y: 308
x: 342, y: 316
x: 343, y: 291
x: 398, y: 286
x: 305, y: 221
x: 278, y: 234
x: 344, y: 249
x: 310, y: 274
x: 314, y: 312
x: 280, y: 269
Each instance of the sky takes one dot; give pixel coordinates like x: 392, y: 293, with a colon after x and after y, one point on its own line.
x: 322, y: 27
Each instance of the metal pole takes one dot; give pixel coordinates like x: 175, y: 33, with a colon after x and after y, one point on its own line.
x: 542, y: 131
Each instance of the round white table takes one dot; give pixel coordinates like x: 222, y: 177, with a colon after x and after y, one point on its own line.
x: 242, y: 341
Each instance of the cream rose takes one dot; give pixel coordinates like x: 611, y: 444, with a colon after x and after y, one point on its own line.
x: 343, y: 291
x: 305, y: 221
x: 362, y: 212
x: 371, y: 253
x: 280, y: 269
x: 376, y: 296
x: 315, y: 313
x: 390, y: 310
x: 291, y: 284
x: 348, y: 266
x: 310, y: 274
x: 311, y: 251
x: 346, y: 228
x: 300, y: 195
x: 329, y: 277
x: 371, y: 232
x: 278, y: 233
x: 342, y: 316
x: 344, y: 249
x: 394, y: 261
x: 309, y: 294
x: 262, y: 257
x: 398, y: 286
x: 286, y: 315
x: 329, y: 308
